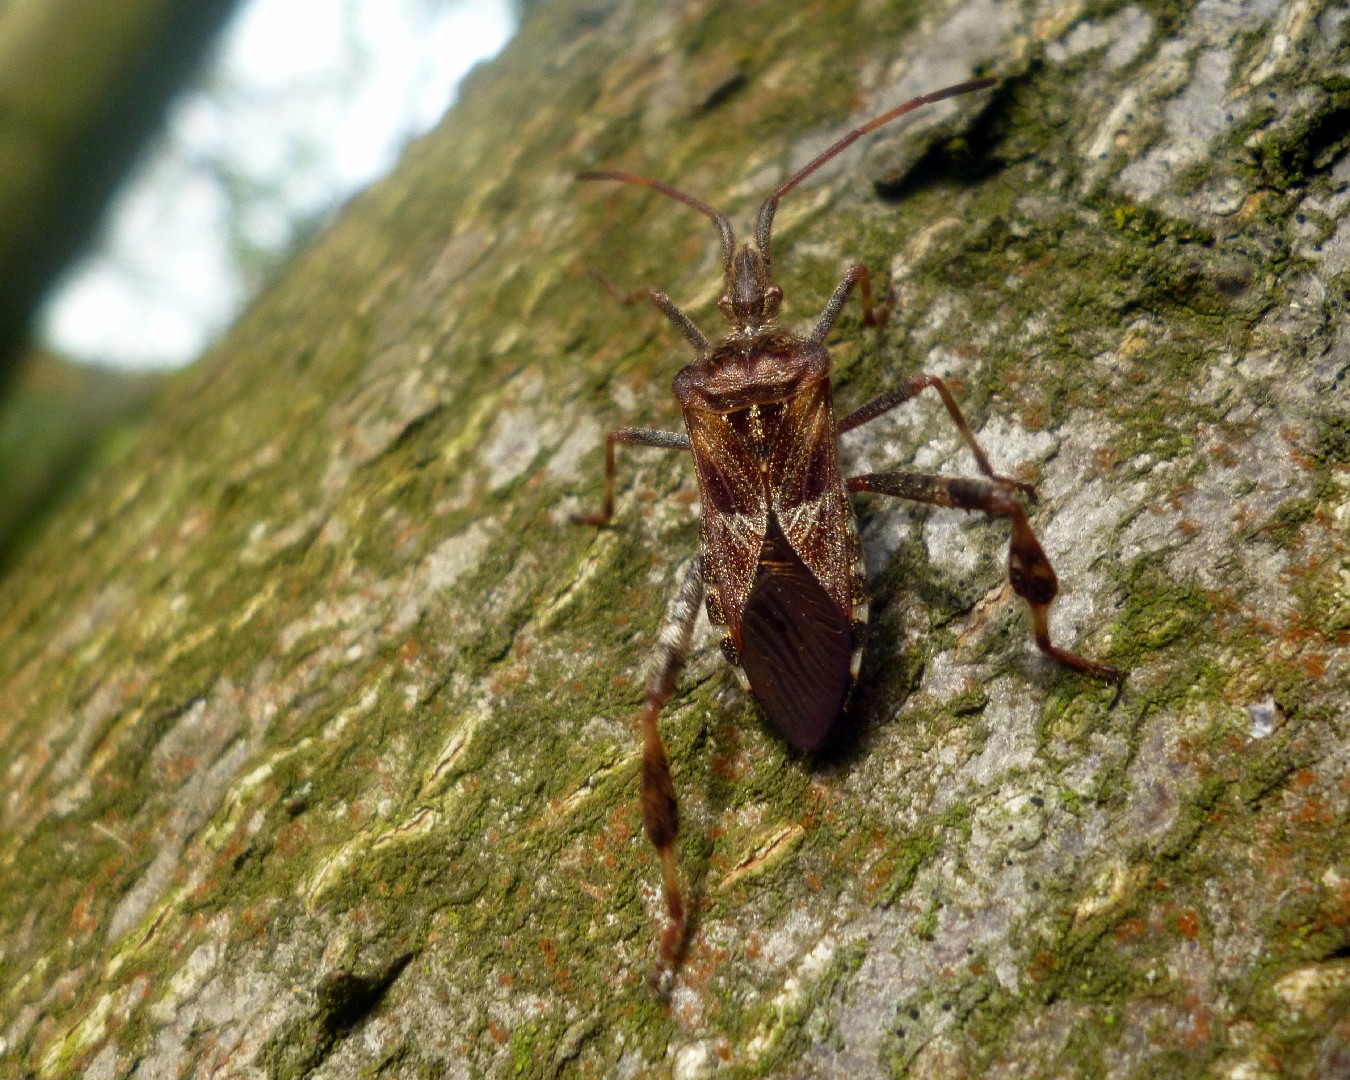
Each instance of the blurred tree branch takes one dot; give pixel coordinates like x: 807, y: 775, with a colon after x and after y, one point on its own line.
x: 83, y: 85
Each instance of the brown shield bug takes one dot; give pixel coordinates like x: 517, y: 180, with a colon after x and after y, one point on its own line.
x: 780, y: 563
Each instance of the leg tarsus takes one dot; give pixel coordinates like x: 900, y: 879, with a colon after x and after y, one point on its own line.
x: 674, y: 938
x: 1040, y: 617
x: 663, y: 440
x: 1029, y: 569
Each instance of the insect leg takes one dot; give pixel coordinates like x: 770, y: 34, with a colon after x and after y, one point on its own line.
x: 632, y: 436
x: 660, y: 811
x: 857, y: 275
x: 910, y: 388
x: 662, y: 302
x: 1029, y: 570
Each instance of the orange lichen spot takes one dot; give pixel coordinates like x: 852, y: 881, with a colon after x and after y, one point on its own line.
x: 1198, y: 1033
x: 1187, y: 923
x: 82, y: 921
x: 1042, y: 964
x: 1250, y: 205
x: 593, y: 891
x: 729, y: 766
x: 1314, y: 811
x: 290, y: 840
x: 499, y: 1034
x: 179, y: 768
x: 358, y: 812
x: 1033, y: 416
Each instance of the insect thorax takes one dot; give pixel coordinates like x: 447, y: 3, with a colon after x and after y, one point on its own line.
x: 760, y: 417
x: 752, y: 369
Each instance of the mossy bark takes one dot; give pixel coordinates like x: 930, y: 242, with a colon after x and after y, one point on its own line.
x: 316, y: 711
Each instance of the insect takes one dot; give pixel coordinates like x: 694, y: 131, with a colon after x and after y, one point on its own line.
x: 780, y: 563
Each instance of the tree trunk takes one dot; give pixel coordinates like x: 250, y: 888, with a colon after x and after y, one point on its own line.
x: 317, y: 712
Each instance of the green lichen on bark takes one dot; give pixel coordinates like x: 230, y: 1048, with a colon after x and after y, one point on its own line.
x: 317, y: 707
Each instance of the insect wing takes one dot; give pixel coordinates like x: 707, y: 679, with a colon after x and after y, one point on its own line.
x: 734, y: 511
x: 796, y: 645
x: 808, y: 494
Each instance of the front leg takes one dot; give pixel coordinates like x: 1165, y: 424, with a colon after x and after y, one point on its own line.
x: 663, y: 303
x: 632, y: 436
x: 857, y: 275
x: 660, y: 809
x: 1029, y: 570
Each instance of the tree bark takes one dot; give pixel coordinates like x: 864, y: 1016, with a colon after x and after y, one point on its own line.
x: 317, y: 712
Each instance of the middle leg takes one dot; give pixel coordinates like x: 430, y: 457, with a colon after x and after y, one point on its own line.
x: 1029, y: 570
x: 661, y: 302
x: 911, y: 388
x: 631, y: 436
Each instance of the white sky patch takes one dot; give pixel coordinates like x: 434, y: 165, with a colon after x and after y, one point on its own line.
x: 306, y: 102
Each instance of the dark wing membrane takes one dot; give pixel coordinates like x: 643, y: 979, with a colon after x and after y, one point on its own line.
x: 796, y: 645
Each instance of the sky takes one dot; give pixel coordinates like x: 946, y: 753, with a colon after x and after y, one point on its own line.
x: 306, y: 102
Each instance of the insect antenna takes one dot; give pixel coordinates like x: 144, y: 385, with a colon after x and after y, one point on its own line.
x: 719, y: 219
x: 766, y: 212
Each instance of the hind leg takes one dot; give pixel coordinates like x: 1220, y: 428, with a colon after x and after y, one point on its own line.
x: 1029, y: 570
x: 660, y: 810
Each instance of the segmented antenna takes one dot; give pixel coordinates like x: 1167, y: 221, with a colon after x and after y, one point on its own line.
x: 766, y: 212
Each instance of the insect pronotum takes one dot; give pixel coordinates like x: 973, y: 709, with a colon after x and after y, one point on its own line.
x: 780, y: 565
